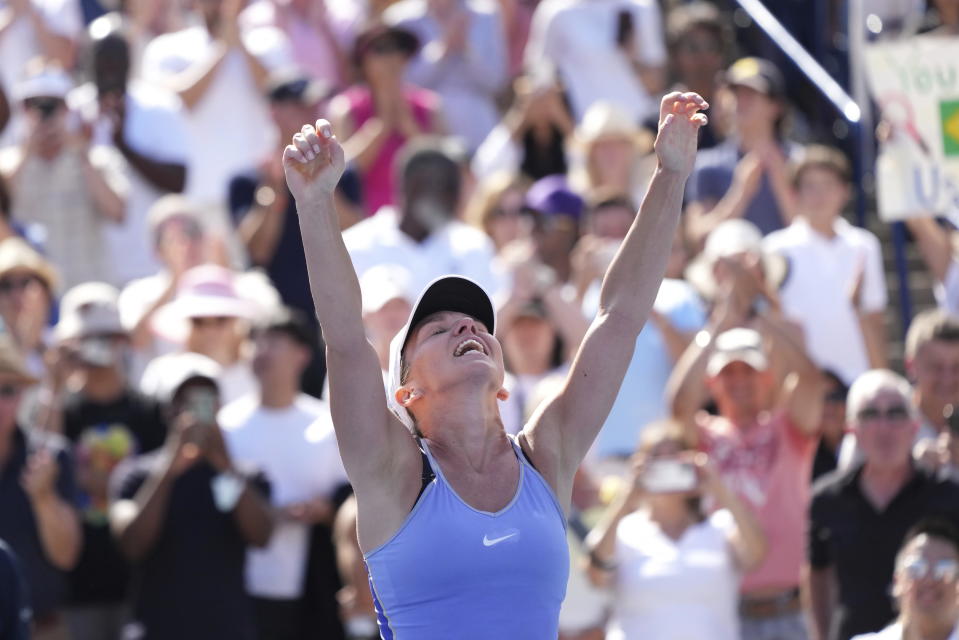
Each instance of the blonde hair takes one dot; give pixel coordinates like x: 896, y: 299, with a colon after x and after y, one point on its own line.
x: 481, y: 207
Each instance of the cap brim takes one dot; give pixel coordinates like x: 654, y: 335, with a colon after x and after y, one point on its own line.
x: 720, y: 361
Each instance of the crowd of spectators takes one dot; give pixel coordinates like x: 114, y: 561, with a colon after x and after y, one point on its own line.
x: 168, y: 464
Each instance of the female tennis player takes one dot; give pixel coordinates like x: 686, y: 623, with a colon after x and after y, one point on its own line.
x: 463, y: 527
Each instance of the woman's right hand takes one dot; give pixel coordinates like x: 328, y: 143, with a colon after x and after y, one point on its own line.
x: 313, y: 162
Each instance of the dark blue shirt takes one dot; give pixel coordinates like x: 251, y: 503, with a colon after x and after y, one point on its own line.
x: 18, y: 525
x: 14, y: 612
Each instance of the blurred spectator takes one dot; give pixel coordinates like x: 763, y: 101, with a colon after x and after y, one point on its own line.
x: 421, y: 232
x: 27, y: 286
x: 947, y: 14
x: 289, y: 436
x: 356, y: 599
x: 220, y: 81
x: 387, y: 303
x: 676, y: 314
x: 832, y: 426
x: 185, y: 515
x: 557, y: 212
x: 674, y: 571
x: 14, y: 611
x: 610, y: 51
x: 932, y: 361
x: 762, y: 441
x: 320, y: 33
x: 925, y: 585
x: 858, y: 518
x: 36, y: 499
x: 376, y: 117
x: 937, y: 246
x: 615, y: 153
x: 147, y: 20
x: 8, y: 227
x: 531, y: 137
x: 747, y: 176
x: 59, y: 182
x: 498, y: 208
x: 35, y: 28
x: 208, y: 317
x: 262, y: 206
x: 462, y: 58
x: 699, y: 39
x: 516, y: 16
x: 142, y: 124
x: 832, y: 265
x: 5, y: 112
x: 106, y: 421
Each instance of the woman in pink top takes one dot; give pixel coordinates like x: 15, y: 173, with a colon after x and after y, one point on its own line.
x: 379, y: 115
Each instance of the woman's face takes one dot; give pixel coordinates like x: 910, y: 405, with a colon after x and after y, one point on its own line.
x: 698, y: 57
x: 384, y: 64
x: 507, y: 222
x: 609, y: 157
x: 23, y: 297
x: 926, y: 580
x: 210, y: 335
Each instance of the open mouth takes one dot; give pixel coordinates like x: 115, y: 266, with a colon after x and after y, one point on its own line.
x: 468, y: 345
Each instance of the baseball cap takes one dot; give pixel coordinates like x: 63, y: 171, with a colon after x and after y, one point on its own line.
x: 89, y: 309
x: 552, y: 196
x: 446, y: 293
x: 737, y: 345
x: 46, y: 82
x: 295, y: 86
x: 758, y: 74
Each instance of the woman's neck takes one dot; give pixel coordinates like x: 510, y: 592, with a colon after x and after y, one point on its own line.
x: 464, y: 428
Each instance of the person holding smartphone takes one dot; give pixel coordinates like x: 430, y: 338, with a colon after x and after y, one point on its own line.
x: 674, y: 571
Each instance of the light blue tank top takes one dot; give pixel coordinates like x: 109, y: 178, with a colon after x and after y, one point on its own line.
x: 453, y: 572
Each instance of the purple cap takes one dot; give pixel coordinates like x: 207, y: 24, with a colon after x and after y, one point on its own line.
x: 552, y: 196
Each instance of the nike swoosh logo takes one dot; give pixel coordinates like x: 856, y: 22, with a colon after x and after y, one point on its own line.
x: 489, y: 542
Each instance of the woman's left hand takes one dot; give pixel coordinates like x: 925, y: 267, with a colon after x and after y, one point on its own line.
x: 679, y: 123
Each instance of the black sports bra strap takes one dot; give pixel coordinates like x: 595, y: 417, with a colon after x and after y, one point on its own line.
x: 428, y: 475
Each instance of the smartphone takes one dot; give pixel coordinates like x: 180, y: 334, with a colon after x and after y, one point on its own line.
x: 624, y: 28
x: 202, y: 404
x: 667, y: 476
x: 96, y: 352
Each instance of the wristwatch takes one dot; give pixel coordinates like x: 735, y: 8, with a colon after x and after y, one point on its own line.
x: 227, y: 487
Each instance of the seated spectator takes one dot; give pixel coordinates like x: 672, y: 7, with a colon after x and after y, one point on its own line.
x: 925, y: 585
x: 387, y: 303
x: 832, y: 265
x: 209, y: 317
x: 421, y: 232
x: 673, y: 570
x: 557, y: 213
x: 832, y: 427
x: 58, y: 182
x: 531, y: 137
x: 14, y: 611
x: 762, y: 441
x: 498, y: 208
x: 699, y: 40
x: 747, y: 176
x: 859, y: 517
x: 289, y: 437
x: 932, y: 362
x: 676, y: 315
x: 615, y: 153
x: 185, y: 516
x: 378, y: 116
x: 607, y: 51
x: 142, y: 127
x: 462, y: 59
x: 27, y: 286
x: 36, y: 499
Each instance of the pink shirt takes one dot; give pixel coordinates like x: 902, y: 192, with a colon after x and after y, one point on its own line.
x: 769, y: 466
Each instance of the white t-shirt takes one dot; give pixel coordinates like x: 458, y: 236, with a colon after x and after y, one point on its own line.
x: 894, y: 632
x: 577, y: 38
x: 296, y: 449
x: 230, y: 127
x: 675, y: 590
x: 456, y: 248
x: 816, y: 291
x: 154, y: 127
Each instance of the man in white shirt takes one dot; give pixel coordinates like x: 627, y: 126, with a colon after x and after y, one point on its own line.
x: 142, y: 125
x: 926, y: 586
x: 603, y: 50
x: 289, y: 436
x: 836, y: 288
x: 421, y: 233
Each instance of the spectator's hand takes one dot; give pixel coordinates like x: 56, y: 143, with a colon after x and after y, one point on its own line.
x: 591, y: 258
x: 216, y: 451
x: 771, y: 157
x: 114, y: 107
x: 39, y: 478
x: 679, y: 123
x: 855, y: 287
x: 59, y: 364
x: 230, y: 22
x: 185, y: 443
x: 710, y: 482
x: 747, y: 174
x: 315, y: 511
x: 313, y: 163
x: 82, y: 137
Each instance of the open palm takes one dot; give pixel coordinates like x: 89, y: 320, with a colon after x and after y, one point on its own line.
x: 679, y: 123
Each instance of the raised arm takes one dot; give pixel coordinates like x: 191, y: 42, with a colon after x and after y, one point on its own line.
x: 562, y: 431
x: 372, y: 442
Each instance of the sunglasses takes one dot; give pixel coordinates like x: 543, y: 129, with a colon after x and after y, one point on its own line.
x: 385, y: 46
x: 11, y: 284
x: 8, y: 391
x: 836, y: 396
x: 918, y: 568
x: 46, y: 106
x: 892, y: 414
x: 211, y: 321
